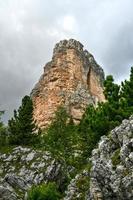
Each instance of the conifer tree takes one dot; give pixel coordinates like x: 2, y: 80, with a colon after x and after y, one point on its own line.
x: 111, y: 90
x: 3, y: 132
x: 112, y: 107
x: 93, y: 125
x: 99, y: 120
x: 22, y: 125
x: 127, y: 90
x: 58, y: 138
x: 1, y: 123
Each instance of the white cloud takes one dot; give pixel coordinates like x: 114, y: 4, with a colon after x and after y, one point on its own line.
x: 68, y: 23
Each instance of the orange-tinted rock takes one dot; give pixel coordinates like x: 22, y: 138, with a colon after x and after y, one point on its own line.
x: 72, y: 78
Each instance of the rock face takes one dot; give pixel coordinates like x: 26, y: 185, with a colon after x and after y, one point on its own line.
x: 111, y: 174
x: 108, y: 174
x: 72, y: 79
x: 24, y: 167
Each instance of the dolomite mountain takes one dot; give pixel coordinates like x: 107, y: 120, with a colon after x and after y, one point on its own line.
x: 72, y: 79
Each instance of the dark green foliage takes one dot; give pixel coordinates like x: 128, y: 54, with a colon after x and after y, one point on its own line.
x: 111, y: 90
x: 98, y: 121
x: 44, y: 192
x: 119, y: 103
x: 3, y: 132
x: 59, y: 137
x: 112, y: 107
x: 21, y: 126
x: 3, y: 136
x: 92, y: 126
x: 1, y: 123
x: 127, y: 93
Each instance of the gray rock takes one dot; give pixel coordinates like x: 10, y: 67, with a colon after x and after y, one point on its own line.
x: 111, y: 175
x: 16, y: 181
x: 72, y: 44
x: 30, y: 156
x: 24, y: 167
x: 7, y: 194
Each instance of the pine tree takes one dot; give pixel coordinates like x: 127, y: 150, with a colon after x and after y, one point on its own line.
x: 93, y: 125
x: 112, y: 107
x: 1, y: 123
x: 111, y: 90
x: 22, y: 125
x: 127, y: 90
x: 58, y: 138
x: 3, y: 132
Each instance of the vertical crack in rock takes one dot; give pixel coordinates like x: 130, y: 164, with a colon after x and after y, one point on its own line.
x: 72, y: 78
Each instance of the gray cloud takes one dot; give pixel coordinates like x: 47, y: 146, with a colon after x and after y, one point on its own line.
x: 29, y: 30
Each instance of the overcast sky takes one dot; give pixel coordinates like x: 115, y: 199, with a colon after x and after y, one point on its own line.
x: 29, y: 29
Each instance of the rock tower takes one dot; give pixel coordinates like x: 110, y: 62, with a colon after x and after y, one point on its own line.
x: 72, y: 79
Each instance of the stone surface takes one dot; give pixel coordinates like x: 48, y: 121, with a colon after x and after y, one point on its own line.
x: 72, y: 79
x: 111, y: 174
x: 7, y: 194
x: 23, y: 167
x: 108, y: 174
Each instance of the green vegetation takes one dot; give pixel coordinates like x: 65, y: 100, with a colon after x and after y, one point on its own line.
x: 44, y: 192
x: 84, y: 181
x: 3, y: 133
x: 21, y: 126
x: 65, y: 140
x: 116, y: 157
x: 61, y: 135
x: 75, y: 143
x: 69, y: 143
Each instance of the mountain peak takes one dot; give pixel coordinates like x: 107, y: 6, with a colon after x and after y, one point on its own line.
x: 68, y: 44
x: 72, y: 79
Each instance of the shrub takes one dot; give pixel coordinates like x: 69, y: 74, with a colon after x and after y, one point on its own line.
x: 44, y: 192
x: 116, y: 158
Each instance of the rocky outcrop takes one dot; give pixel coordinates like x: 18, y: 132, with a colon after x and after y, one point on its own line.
x: 108, y: 174
x: 111, y: 174
x: 24, y: 167
x: 72, y: 79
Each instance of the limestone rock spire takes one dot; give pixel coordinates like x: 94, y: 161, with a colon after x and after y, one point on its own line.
x: 72, y: 79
